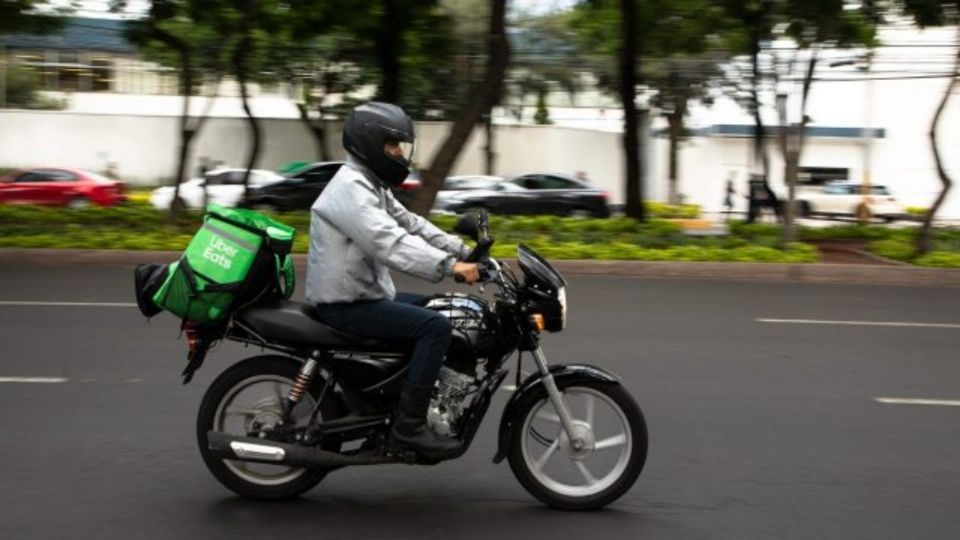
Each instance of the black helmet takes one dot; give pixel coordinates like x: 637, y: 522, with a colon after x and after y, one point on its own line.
x: 371, y: 126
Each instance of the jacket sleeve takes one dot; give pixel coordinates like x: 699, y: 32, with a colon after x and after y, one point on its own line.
x: 421, y: 227
x: 354, y: 208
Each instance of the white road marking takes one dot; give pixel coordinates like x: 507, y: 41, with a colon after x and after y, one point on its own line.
x: 70, y: 304
x: 903, y: 401
x: 40, y: 380
x: 860, y: 323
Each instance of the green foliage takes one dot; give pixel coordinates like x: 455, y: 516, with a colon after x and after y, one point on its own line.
x: 893, y: 248
x: 23, y: 85
x: 542, y: 116
x: 672, y: 211
x: 942, y: 259
x: 22, y: 16
x: 137, y: 226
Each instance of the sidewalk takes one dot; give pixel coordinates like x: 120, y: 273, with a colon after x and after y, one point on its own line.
x: 709, y: 271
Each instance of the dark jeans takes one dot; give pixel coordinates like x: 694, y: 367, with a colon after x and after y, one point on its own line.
x: 397, y: 320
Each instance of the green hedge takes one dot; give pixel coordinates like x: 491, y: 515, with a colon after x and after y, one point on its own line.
x: 137, y: 226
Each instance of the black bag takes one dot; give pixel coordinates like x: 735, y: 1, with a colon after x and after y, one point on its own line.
x: 147, y: 279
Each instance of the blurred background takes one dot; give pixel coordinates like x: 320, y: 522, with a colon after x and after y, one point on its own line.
x: 705, y: 111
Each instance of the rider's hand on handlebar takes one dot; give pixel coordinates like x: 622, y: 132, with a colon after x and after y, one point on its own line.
x: 466, y: 272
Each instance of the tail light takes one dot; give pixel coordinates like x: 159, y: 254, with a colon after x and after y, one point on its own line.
x: 193, y: 338
x: 604, y: 196
x: 410, y: 184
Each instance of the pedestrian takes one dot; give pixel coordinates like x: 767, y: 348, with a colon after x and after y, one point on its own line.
x: 729, y: 193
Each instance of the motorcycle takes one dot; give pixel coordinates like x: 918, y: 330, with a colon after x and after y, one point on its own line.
x: 273, y: 426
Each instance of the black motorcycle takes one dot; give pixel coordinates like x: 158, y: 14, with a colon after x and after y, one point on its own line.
x: 273, y: 426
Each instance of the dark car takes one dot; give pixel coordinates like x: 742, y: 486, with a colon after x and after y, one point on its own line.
x: 536, y: 193
x: 297, y: 191
x: 74, y: 188
x: 302, y: 187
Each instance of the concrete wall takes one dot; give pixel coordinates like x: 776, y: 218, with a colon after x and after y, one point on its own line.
x: 144, y: 147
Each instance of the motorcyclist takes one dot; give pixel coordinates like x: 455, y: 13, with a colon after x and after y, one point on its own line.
x: 358, y: 231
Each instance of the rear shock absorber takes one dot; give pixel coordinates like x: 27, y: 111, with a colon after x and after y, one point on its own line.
x: 304, y: 378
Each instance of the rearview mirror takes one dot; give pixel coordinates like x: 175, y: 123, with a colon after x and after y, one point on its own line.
x: 468, y: 225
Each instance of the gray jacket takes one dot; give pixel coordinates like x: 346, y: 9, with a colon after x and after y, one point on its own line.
x: 358, y: 231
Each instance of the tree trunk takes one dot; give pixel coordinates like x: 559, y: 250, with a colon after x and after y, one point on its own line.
x: 628, y: 95
x: 759, y: 150
x: 676, y: 128
x: 489, y: 155
x: 924, y: 241
x: 479, y: 99
x: 792, y: 155
x: 240, y: 56
x: 186, y: 87
x: 317, y: 129
x: 389, y: 45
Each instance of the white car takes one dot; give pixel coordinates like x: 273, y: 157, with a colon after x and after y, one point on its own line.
x: 455, y: 186
x: 848, y: 199
x: 224, y: 187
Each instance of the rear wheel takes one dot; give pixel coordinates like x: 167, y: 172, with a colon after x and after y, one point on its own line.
x: 592, y: 471
x: 246, y: 400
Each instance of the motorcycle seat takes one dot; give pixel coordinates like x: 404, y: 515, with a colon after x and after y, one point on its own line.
x: 296, y: 324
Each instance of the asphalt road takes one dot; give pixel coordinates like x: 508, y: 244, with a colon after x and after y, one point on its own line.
x: 758, y: 429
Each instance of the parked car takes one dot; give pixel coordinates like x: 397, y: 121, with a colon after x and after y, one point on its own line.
x: 74, y: 188
x: 301, y: 187
x: 224, y: 187
x: 536, y: 193
x: 845, y: 198
x: 454, y: 187
x: 297, y: 191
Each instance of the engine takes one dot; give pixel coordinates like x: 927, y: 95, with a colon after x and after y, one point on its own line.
x: 447, y: 407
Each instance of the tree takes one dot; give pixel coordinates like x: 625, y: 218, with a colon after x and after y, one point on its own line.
x: 678, y: 41
x: 31, y: 16
x: 752, y: 28
x: 814, y: 25
x: 179, y: 33
x: 478, y: 100
x: 937, y: 13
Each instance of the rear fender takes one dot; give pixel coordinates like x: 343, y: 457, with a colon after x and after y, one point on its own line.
x: 563, y: 376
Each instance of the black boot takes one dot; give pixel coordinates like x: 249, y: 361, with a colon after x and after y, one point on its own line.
x: 410, y: 428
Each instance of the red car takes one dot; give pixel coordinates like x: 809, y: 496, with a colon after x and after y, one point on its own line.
x: 74, y: 188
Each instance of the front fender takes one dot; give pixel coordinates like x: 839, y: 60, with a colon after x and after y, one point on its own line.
x: 564, y: 376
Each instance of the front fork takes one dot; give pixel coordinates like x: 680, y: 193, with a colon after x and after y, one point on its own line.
x: 556, y: 398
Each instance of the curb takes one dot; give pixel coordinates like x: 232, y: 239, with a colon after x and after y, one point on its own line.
x: 707, y: 271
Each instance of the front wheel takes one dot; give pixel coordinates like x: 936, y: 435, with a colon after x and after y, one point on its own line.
x: 246, y: 400
x: 596, y: 468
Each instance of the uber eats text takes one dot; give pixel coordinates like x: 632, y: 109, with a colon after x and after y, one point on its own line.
x: 220, y: 253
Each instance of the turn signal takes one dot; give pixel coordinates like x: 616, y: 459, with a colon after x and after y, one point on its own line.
x: 538, y: 322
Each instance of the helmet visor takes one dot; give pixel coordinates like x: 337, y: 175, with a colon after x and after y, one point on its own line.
x: 408, y: 149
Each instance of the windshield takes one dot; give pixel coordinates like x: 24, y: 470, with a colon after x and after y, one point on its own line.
x: 535, y: 265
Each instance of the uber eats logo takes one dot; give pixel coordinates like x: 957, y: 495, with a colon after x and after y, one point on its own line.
x: 219, y: 252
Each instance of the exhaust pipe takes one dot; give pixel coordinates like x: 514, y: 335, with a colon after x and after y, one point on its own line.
x: 226, y: 446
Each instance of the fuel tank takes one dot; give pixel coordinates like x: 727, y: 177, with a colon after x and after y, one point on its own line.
x: 475, y: 329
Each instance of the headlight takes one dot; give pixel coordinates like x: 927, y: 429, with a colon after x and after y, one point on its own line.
x: 562, y: 297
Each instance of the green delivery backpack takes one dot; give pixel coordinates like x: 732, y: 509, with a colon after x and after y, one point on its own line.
x: 237, y: 257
